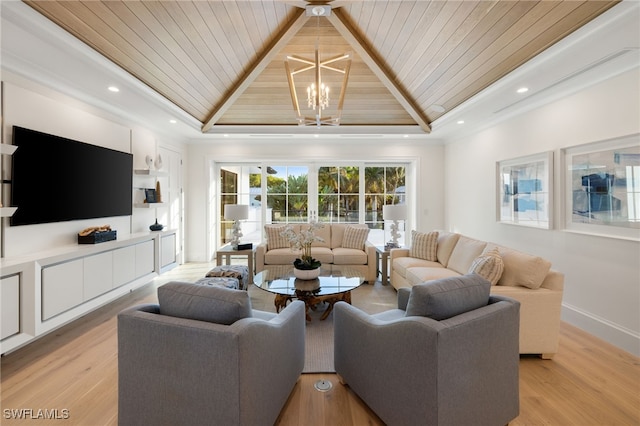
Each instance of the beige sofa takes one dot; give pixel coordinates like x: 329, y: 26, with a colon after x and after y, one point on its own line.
x: 526, y: 278
x: 331, y: 252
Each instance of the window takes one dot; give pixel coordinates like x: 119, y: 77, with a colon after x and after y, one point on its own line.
x: 287, y: 194
x: 383, y: 185
x: 339, y: 194
x: 294, y: 193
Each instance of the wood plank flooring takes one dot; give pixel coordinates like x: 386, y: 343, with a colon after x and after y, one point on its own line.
x: 72, y: 373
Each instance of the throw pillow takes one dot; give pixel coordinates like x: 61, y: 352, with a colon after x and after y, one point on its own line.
x: 489, y: 266
x: 424, y: 246
x: 274, y: 239
x: 448, y: 297
x: 219, y: 305
x: 354, y: 237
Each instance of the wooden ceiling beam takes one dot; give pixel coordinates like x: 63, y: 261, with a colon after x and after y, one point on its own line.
x: 346, y: 30
x: 280, y: 41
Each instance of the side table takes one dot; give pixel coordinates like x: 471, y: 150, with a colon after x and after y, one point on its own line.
x: 227, y: 251
x: 383, y: 254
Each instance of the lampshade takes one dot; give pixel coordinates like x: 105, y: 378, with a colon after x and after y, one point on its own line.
x: 394, y: 212
x: 236, y: 211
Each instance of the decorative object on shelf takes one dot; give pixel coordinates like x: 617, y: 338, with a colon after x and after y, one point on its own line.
x: 96, y: 234
x: 150, y: 195
x: 156, y: 226
x: 158, y: 162
x: 394, y: 212
x: 303, y: 241
x: 149, y: 160
x: 318, y: 91
x: 236, y: 212
x: 158, y: 192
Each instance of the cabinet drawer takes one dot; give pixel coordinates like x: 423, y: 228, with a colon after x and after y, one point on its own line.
x: 124, y: 265
x: 98, y: 275
x: 10, y: 287
x: 62, y: 287
x: 145, y: 258
x: 167, y: 250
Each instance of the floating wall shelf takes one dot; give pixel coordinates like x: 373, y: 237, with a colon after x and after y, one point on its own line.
x: 148, y: 172
x: 7, y: 211
x: 7, y: 149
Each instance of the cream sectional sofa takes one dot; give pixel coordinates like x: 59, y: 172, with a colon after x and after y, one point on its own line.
x: 331, y: 252
x: 526, y: 278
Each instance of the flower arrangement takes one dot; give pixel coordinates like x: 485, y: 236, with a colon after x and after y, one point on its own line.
x: 302, y: 241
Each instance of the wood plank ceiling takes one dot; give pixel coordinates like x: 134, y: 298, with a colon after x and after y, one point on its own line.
x: 223, y: 61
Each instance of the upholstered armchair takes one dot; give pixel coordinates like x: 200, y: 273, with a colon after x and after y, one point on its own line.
x: 447, y: 356
x: 203, y: 356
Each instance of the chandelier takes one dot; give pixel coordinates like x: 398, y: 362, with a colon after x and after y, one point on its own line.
x: 318, y: 91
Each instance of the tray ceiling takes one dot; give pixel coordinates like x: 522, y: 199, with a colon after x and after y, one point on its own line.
x: 222, y: 62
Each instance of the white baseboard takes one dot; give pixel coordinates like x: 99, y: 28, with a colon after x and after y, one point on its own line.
x: 622, y: 337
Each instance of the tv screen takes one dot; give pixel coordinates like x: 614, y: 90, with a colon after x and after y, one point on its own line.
x: 54, y: 179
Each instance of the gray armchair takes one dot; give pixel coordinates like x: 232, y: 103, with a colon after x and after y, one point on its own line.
x: 179, y: 371
x: 415, y: 370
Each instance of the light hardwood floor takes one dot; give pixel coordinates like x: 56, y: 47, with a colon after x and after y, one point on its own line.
x: 589, y: 382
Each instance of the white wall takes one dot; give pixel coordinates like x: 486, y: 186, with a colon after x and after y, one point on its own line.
x: 426, y: 155
x: 32, y: 106
x: 602, y: 275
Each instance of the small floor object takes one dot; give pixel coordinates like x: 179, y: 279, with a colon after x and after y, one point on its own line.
x: 322, y: 385
x: 227, y: 282
x: 238, y: 272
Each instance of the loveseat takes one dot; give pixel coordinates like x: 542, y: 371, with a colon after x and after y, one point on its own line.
x: 526, y: 278
x: 343, y: 246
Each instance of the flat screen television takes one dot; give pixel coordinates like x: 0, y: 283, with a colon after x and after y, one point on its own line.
x: 54, y: 179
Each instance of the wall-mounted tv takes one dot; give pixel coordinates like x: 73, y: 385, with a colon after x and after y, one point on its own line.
x: 54, y: 179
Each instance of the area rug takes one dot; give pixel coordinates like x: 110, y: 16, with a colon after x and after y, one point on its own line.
x: 319, y: 333
x: 318, y: 351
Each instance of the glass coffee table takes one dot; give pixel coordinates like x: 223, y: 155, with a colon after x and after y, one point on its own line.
x: 330, y: 287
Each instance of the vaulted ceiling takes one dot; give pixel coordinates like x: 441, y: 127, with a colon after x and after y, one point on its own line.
x: 223, y: 62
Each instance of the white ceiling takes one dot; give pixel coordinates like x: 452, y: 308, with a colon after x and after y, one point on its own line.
x: 36, y: 50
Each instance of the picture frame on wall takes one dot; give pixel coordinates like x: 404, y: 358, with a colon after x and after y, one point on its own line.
x: 524, y: 191
x: 602, y: 188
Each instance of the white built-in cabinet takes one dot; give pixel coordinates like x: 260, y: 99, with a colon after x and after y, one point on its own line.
x: 41, y: 292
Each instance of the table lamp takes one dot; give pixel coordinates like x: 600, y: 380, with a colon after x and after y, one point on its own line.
x: 394, y: 212
x: 236, y: 212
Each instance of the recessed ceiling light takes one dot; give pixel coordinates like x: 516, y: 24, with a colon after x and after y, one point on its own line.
x: 405, y: 136
x: 523, y: 90
x: 316, y: 136
x: 113, y: 89
x: 460, y: 121
x: 172, y: 121
x: 226, y: 135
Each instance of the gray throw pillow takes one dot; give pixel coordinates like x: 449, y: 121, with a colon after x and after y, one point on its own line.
x: 448, y: 297
x: 203, y: 303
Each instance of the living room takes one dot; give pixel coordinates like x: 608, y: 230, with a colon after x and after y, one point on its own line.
x: 451, y: 178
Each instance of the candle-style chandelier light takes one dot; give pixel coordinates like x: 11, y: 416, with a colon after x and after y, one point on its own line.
x: 318, y: 91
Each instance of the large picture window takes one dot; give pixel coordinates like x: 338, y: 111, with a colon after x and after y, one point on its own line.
x: 294, y: 193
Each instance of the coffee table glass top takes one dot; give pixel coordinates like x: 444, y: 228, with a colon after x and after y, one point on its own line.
x: 280, y: 280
